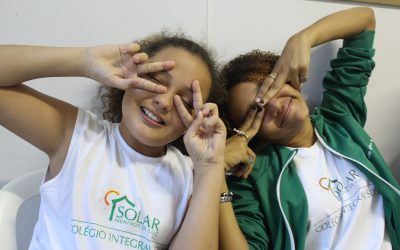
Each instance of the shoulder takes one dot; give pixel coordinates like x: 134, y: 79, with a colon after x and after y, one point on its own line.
x: 88, y: 124
x: 91, y: 120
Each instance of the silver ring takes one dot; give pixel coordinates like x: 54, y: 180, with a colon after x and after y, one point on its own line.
x: 227, y: 173
x: 270, y: 76
x: 251, y: 161
x: 241, y: 133
x: 304, y: 78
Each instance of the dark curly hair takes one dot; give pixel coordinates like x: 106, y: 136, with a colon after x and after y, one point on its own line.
x: 253, y: 66
x: 111, y: 98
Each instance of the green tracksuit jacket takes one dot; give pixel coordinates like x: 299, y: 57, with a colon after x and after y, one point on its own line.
x: 271, y: 205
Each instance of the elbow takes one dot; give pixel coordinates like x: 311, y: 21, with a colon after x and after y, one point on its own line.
x: 370, y: 14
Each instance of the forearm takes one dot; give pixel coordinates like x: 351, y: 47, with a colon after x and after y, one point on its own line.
x: 230, y: 236
x: 19, y: 63
x: 339, y: 25
x: 200, y: 227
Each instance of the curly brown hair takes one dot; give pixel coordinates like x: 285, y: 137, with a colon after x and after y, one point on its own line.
x: 111, y: 98
x: 253, y: 66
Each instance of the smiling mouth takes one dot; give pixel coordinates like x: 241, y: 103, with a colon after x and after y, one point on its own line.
x: 152, y: 117
x: 288, y: 107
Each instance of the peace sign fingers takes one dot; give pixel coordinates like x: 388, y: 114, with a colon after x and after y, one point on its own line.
x: 183, y: 113
x: 251, y: 123
x: 186, y: 117
x: 197, y: 97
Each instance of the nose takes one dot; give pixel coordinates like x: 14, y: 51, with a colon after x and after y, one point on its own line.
x: 163, y: 102
x: 273, y: 107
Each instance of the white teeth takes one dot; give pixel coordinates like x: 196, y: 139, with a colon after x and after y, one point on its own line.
x: 151, y: 116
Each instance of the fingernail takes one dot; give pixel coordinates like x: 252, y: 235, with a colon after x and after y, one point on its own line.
x: 260, y: 106
x: 259, y: 100
x: 256, y: 107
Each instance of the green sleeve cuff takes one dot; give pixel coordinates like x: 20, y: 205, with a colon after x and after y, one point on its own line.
x: 363, y: 40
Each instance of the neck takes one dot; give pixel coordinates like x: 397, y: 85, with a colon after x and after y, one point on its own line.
x: 305, y: 138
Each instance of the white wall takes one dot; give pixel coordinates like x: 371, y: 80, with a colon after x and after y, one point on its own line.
x: 231, y: 26
x: 266, y: 24
x: 80, y: 23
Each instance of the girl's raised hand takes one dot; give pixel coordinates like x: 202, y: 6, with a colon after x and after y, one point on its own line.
x: 121, y: 66
x: 206, y: 133
x: 291, y: 67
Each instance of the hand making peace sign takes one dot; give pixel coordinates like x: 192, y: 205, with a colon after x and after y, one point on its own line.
x: 206, y: 133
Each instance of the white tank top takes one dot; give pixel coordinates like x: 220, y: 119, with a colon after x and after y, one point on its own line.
x: 108, y: 196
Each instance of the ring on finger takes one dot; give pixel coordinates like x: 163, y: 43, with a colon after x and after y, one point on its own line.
x: 241, y: 133
x: 229, y: 172
x: 251, y: 161
x: 304, y: 78
x: 270, y: 76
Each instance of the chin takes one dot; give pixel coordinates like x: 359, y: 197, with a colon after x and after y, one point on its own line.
x: 157, y: 142
x: 151, y: 141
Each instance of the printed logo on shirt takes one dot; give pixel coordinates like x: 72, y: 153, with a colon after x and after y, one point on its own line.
x: 348, y: 206
x: 143, y: 232
x: 350, y: 192
x: 124, y: 211
x: 337, y: 188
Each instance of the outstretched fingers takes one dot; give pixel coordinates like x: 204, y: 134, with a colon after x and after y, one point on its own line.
x: 272, y: 87
x: 142, y: 83
x: 197, y: 102
x: 129, y: 48
x: 145, y: 68
x: 195, y: 125
x: 197, y: 96
x: 265, y: 86
x: 211, y: 115
x: 249, y: 117
x: 252, y: 122
x: 255, y: 125
x: 183, y: 113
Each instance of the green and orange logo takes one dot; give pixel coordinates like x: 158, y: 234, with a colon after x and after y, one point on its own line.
x: 125, y: 211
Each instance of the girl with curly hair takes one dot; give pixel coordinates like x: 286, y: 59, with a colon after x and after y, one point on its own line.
x: 318, y: 182
x: 117, y: 183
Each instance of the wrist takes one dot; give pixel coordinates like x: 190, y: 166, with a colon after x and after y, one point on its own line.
x: 82, y: 67
x: 305, y: 37
x: 212, y: 168
x: 207, y: 175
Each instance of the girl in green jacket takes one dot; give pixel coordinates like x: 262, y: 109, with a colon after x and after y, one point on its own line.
x: 320, y: 182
